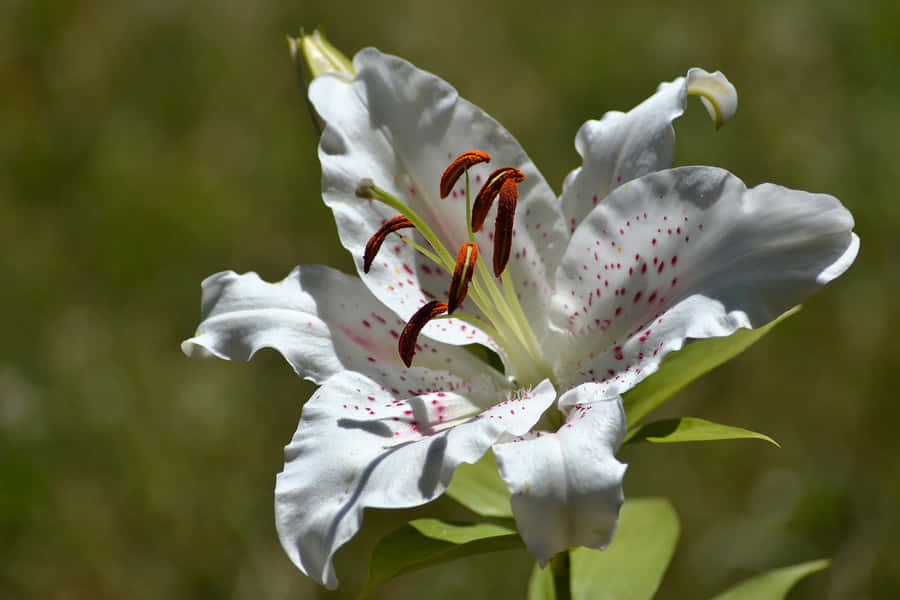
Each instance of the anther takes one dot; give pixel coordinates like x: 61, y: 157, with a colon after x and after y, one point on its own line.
x: 503, y: 226
x: 459, y: 166
x: 416, y: 323
x: 462, y: 275
x: 374, y: 243
x: 489, y: 191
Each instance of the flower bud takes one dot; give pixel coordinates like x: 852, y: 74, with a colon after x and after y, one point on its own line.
x: 318, y: 55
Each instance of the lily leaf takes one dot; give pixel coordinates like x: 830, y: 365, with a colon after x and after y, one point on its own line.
x: 690, y: 429
x: 459, y: 533
x: 692, y: 361
x: 773, y: 585
x: 427, y: 542
x: 635, y: 562
x: 479, y: 488
x: 540, y: 585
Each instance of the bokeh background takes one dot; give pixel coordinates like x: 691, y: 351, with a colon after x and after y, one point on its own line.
x: 147, y: 144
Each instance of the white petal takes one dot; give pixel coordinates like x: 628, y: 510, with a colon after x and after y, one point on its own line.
x: 623, y: 146
x: 567, y: 486
x: 359, y: 446
x: 321, y: 320
x: 401, y: 127
x: 689, y: 252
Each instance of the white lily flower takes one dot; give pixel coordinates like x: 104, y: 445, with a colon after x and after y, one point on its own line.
x: 580, y: 295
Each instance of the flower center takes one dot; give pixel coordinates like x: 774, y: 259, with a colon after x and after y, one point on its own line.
x: 499, y: 314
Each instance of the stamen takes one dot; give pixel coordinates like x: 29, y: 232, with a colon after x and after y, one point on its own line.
x: 503, y: 226
x: 410, y: 333
x: 374, y: 243
x: 489, y: 191
x: 462, y: 275
x: 460, y: 166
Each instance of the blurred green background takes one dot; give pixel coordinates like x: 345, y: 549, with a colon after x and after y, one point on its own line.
x: 146, y: 145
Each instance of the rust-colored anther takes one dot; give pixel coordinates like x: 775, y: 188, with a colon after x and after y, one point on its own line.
x: 462, y: 275
x: 489, y: 191
x: 459, y: 166
x: 374, y: 243
x: 416, y: 323
x: 503, y: 226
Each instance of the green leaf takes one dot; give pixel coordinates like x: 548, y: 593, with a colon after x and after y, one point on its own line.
x: 458, y: 533
x: 773, y: 585
x: 690, y: 429
x: 428, y: 542
x: 635, y: 562
x: 540, y: 585
x: 479, y: 488
x: 695, y: 359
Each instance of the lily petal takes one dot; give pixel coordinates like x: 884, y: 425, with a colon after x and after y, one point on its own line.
x: 690, y: 253
x: 359, y: 446
x: 401, y: 127
x: 623, y: 146
x: 567, y: 486
x: 322, y: 321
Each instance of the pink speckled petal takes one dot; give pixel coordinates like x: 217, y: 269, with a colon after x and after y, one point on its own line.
x: 359, y: 446
x: 623, y: 146
x: 401, y: 127
x: 567, y: 485
x: 322, y: 321
x: 689, y: 253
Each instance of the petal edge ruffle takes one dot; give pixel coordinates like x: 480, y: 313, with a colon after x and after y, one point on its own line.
x: 623, y: 146
x: 339, y: 463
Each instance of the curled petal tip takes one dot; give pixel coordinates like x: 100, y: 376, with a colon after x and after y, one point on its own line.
x: 716, y: 93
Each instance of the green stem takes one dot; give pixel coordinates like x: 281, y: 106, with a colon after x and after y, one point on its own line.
x: 559, y: 564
